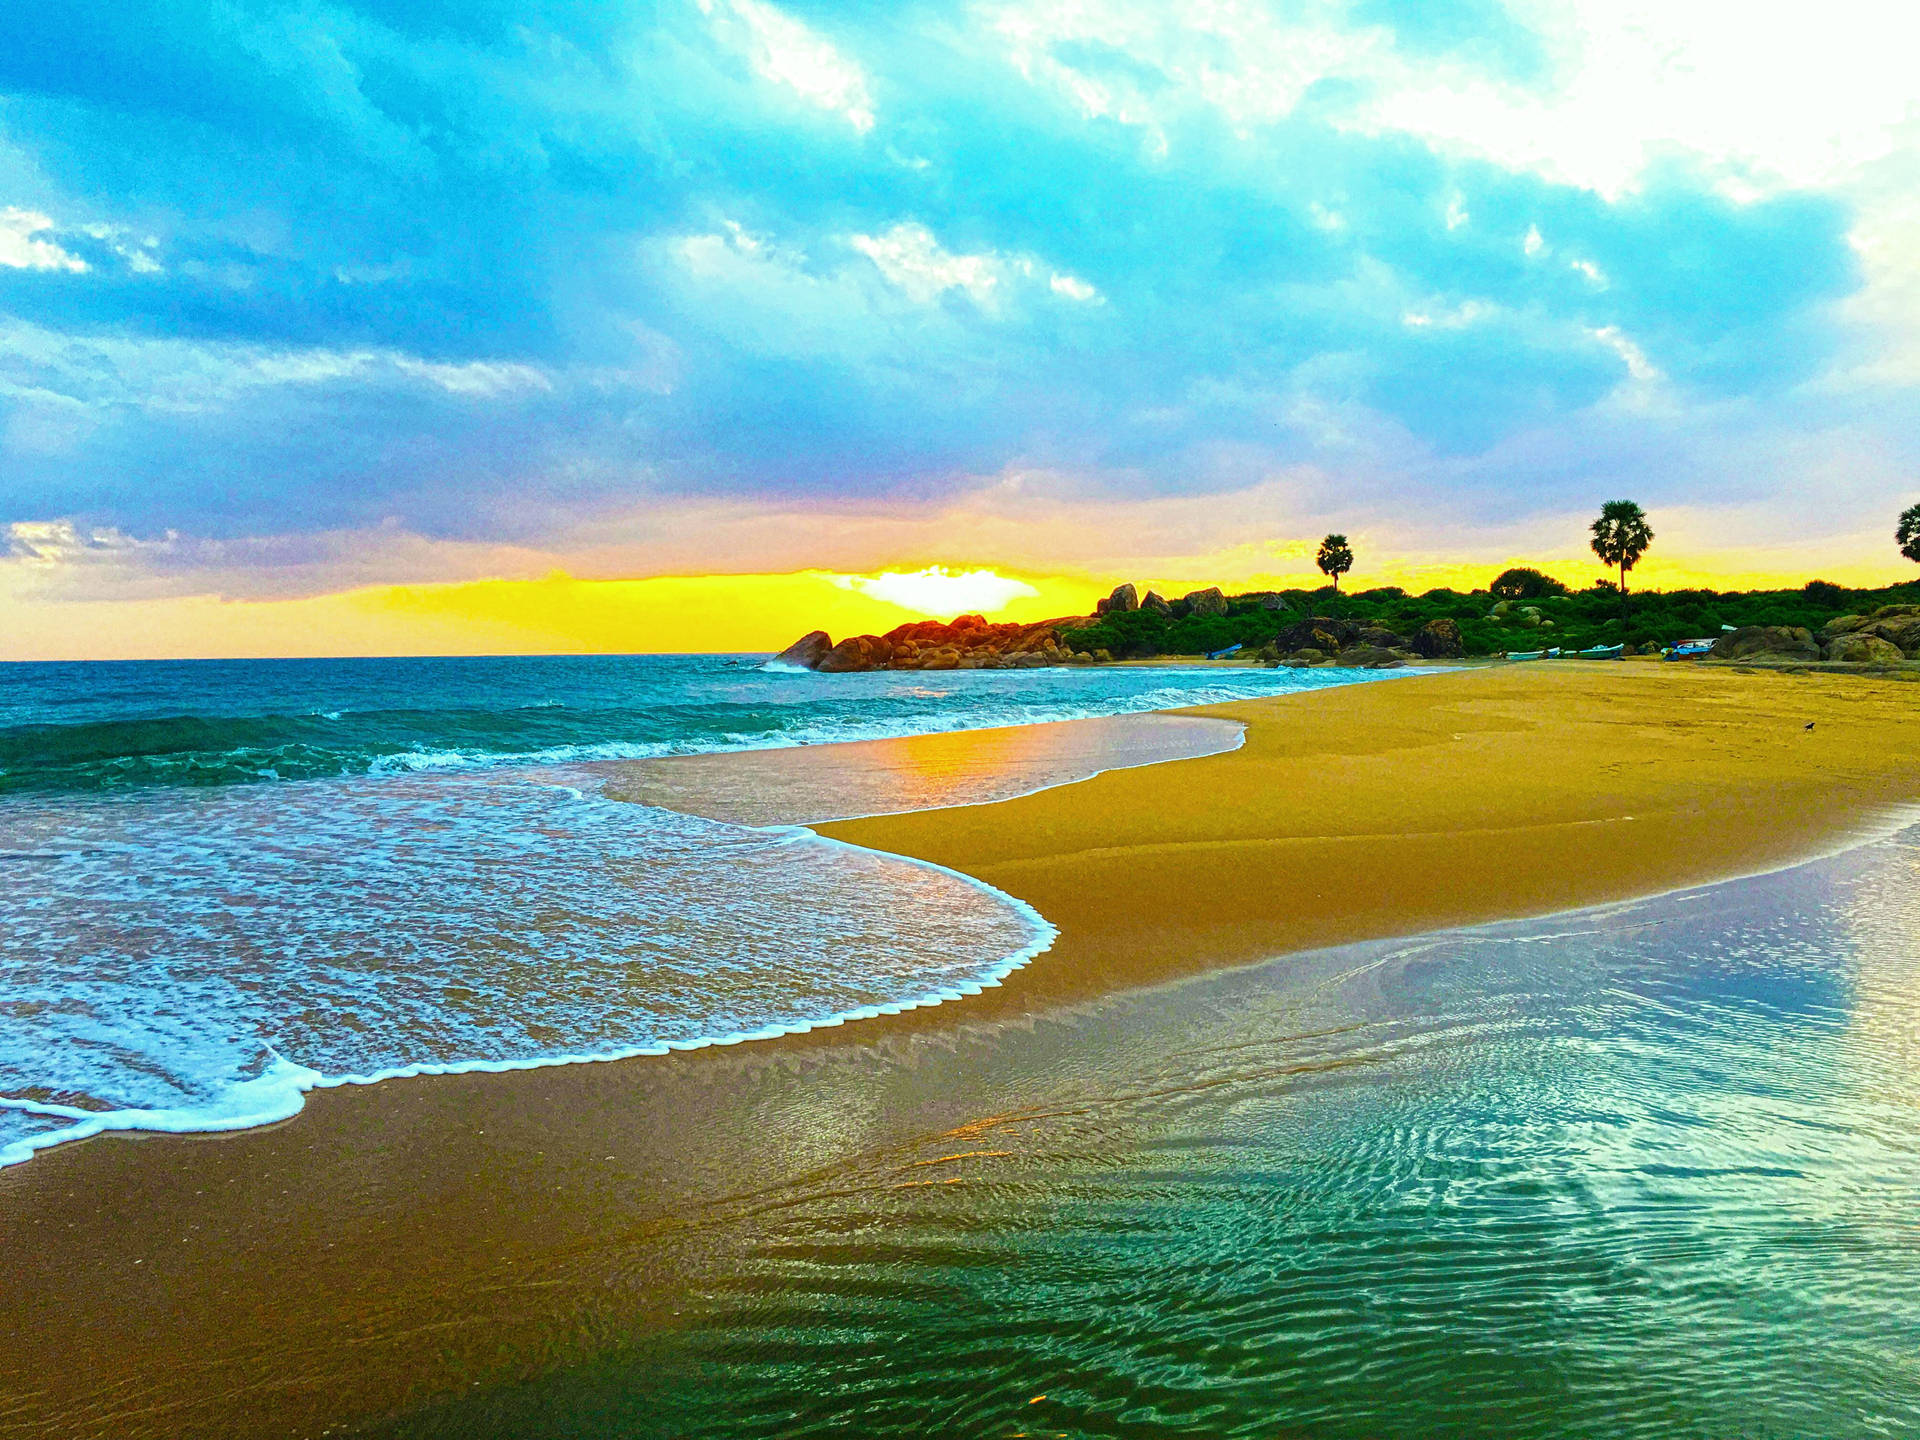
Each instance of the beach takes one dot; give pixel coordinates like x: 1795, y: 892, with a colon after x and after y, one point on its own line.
x: 394, y: 1245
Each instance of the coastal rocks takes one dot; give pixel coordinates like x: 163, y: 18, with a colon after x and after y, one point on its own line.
x: 1322, y: 633
x: 1207, y: 602
x: 967, y: 643
x: 1123, y: 599
x: 1438, y: 640
x: 1382, y: 637
x: 807, y: 652
x: 1858, y: 649
x: 1371, y: 657
x: 1793, y: 642
x: 1156, y: 603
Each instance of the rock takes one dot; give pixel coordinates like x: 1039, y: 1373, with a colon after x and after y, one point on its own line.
x: 1123, y: 598
x: 1843, y: 625
x: 1438, y: 640
x: 1858, y: 649
x: 1305, y: 657
x: 1379, y: 635
x: 1157, y: 604
x: 1265, y: 599
x: 807, y: 652
x: 1501, y: 610
x: 1898, y: 625
x: 1207, y: 602
x: 1794, y: 641
x: 1371, y: 657
x: 1322, y: 633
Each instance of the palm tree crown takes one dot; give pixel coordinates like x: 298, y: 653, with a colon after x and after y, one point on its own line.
x: 1908, y: 535
x: 1621, y: 536
x: 1335, y: 557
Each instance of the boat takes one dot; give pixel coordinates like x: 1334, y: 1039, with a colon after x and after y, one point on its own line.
x: 1222, y: 654
x: 1526, y: 655
x: 1689, y: 649
x: 1601, y: 652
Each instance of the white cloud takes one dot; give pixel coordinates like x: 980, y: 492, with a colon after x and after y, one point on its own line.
x: 43, y: 367
x: 23, y: 248
x: 1639, y: 368
x: 915, y: 263
x: 1073, y: 287
x: 783, y: 50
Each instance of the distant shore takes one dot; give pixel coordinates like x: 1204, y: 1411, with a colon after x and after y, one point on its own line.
x: 411, y: 1239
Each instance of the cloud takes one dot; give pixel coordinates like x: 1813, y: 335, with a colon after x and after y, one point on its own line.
x: 497, y: 277
x: 786, y: 52
x: 23, y: 246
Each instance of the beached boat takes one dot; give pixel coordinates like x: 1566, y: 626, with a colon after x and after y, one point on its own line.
x: 1527, y: 655
x: 1600, y: 652
x: 1222, y: 654
x: 1689, y: 649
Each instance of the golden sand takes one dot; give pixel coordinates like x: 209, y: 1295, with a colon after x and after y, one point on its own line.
x: 405, y: 1240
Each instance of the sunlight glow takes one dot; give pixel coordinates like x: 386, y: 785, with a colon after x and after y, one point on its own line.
x: 937, y: 591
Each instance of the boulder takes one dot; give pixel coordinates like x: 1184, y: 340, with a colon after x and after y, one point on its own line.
x: 1371, y: 657
x: 1858, y: 649
x: 1207, y: 602
x: 1843, y: 625
x: 1381, y: 636
x: 807, y: 652
x: 1265, y: 599
x: 1438, y: 640
x: 1123, y: 598
x: 1157, y: 604
x: 1322, y: 632
x: 1793, y: 642
x: 1898, y: 625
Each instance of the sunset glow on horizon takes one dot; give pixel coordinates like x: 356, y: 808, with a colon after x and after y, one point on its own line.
x: 974, y: 307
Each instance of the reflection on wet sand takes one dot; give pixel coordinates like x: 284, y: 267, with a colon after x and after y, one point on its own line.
x: 810, y: 783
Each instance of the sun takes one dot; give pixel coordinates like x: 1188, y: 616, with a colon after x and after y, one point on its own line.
x: 939, y: 592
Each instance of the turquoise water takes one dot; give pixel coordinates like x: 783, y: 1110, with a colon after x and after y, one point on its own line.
x: 1652, y: 1171
x: 224, y: 884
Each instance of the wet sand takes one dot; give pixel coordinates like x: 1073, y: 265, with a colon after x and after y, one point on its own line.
x: 417, y: 1238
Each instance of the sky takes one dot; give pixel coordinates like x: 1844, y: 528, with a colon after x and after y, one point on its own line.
x: 461, y: 325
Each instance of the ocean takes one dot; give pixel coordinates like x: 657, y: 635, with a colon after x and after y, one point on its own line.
x: 226, y: 883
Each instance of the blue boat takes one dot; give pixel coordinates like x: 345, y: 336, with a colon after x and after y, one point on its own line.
x: 1221, y: 654
x: 1601, y: 652
x: 1689, y: 649
x: 1526, y: 655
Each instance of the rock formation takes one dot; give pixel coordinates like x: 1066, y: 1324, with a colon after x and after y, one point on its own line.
x: 1439, y: 640
x: 968, y: 643
x: 1897, y: 625
x: 1207, y: 602
x: 807, y: 652
x: 1123, y: 598
x: 1792, y: 642
x: 1858, y: 649
x: 1157, y: 604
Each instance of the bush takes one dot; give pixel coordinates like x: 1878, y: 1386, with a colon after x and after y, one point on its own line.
x: 1522, y: 583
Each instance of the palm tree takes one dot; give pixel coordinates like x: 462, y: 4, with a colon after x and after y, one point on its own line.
x: 1908, y: 535
x: 1335, y: 558
x: 1620, y: 537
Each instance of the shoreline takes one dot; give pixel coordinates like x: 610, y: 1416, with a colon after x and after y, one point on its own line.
x: 374, y: 1250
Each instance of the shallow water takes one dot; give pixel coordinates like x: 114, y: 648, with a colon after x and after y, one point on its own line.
x: 1650, y: 1171
x: 191, y: 940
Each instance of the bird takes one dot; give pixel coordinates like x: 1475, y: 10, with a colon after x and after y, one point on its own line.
x: 1809, y: 724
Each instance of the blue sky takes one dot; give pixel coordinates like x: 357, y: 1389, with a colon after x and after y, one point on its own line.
x: 300, y: 296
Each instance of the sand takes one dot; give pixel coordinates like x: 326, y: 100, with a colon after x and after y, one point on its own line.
x: 415, y: 1238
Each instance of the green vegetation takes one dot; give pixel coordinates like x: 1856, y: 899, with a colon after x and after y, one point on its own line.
x: 1907, y: 536
x: 1522, y: 583
x: 1572, y: 621
x: 1335, y: 558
